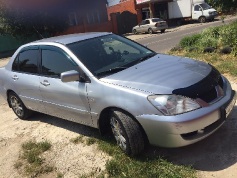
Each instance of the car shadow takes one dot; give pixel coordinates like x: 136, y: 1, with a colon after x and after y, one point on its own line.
x: 214, y: 153
x: 65, y: 124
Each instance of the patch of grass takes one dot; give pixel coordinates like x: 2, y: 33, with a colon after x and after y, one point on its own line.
x: 31, y: 159
x: 90, y: 141
x: 216, y: 37
x: 60, y: 175
x: 81, y: 139
x: 18, y: 165
x: 144, y: 165
x: 77, y: 140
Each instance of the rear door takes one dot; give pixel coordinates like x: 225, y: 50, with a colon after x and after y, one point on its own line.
x: 64, y: 100
x: 147, y: 26
x: 141, y: 26
x: 25, y: 78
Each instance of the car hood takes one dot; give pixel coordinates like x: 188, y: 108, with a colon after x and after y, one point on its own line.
x: 161, y: 74
x: 211, y: 10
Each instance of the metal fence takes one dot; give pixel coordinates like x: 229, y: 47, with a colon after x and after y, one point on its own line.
x: 8, y: 44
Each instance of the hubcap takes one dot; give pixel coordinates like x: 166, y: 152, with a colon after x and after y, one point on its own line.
x: 16, y: 106
x: 118, y: 133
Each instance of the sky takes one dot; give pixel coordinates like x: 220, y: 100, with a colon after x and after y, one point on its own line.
x: 112, y: 2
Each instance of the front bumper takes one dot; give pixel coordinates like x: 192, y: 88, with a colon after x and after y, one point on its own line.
x: 187, y: 128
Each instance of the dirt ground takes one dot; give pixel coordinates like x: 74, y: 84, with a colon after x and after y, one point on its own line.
x: 72, y: 160
x: 214, y: 157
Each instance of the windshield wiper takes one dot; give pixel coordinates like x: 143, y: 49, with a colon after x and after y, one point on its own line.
x: 110, y: 71
x: 146, y: 57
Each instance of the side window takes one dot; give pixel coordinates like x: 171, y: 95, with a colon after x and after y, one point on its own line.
x: 143, y: 22
x: 55, y: 62
x: 147, y: 21
x: 27, y: 62
x: 197, y: 8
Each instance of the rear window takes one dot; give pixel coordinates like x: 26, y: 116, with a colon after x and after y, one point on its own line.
x: 157, y: 20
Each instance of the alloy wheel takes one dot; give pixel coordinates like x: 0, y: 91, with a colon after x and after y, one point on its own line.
x: 16, y: 106
x: 118, y: 133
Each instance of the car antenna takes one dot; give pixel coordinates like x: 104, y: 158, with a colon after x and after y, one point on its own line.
x: 38, y: 32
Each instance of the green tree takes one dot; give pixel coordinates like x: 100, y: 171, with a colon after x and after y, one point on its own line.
x: 224, y: 6
x: 23, y: 20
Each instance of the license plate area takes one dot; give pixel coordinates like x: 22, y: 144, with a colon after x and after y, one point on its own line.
x: 230, y: 106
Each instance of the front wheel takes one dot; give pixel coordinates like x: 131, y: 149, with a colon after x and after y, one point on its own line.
x: 17, y: 106
x: 134, y: 32
x: 202, y: 19
x: 127, y: 133
x: 150, y: 31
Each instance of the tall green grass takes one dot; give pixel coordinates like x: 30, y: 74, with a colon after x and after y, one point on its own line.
x: 216, y: 37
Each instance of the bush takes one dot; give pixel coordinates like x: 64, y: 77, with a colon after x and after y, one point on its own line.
x: 227, y: 6
x: 228, y: 35
x: 189, y: 41
x: 215, y: 37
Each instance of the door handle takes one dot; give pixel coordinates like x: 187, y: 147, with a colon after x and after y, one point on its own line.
x: 15, y: 77
x: 45, y: 83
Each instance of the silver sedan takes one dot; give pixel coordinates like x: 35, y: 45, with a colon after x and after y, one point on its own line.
x: 118, y: 86
x: 150, y: 26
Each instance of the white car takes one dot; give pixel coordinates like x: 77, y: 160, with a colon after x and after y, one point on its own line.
x: 150, y: 26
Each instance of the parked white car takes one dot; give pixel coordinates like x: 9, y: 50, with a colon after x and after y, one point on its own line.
x: 150, y: 25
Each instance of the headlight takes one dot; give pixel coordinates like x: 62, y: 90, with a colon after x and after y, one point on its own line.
x: 173, y: 104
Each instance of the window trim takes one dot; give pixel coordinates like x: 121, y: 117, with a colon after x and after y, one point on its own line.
x: 17, y: 58
x: 55, y: 49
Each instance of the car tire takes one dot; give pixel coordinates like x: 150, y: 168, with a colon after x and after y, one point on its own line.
x: 18, y: 106
x: 202, y: 19
x: 162, y: 31
x: 134, y: 32
x: 150, y: 31
x: 127, y: 133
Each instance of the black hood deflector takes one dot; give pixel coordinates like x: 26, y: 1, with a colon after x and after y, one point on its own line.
x: 202, y: 87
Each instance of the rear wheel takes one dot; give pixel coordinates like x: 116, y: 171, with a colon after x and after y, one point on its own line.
x: 127, y: 133
x: 18, y: 107
x: 202, y: 19
x: 134, y: 32
x: 162, y: 31
x: 150, y: 31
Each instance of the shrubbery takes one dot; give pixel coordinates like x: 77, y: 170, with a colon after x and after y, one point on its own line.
x: 215, y: 37
x: 226, y: 6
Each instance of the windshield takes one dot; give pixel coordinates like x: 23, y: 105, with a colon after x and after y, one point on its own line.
x: 102, y: 55
x: 205, y: 6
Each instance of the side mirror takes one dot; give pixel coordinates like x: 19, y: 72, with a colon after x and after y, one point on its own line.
x: 70, y: 76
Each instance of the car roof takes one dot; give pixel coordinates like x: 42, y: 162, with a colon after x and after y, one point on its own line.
x: 72, y: 38
x: 152, y: 18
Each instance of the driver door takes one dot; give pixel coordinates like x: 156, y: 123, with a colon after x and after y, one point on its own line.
x: 197, y: 12
x: 64, y: 100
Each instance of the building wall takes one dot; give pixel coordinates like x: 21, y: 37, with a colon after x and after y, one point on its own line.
x: 124, y: 5
x: 84, y: 17
x: 102, y: 27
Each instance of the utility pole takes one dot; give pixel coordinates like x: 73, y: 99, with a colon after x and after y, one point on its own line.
x: 150, y: 9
